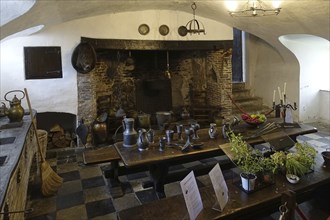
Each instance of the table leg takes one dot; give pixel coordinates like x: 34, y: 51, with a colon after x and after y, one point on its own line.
x: 158, y: 173
x: 115, y: 184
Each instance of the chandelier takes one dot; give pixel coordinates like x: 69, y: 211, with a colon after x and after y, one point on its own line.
x: 193, y: 26
x: 255, y: 8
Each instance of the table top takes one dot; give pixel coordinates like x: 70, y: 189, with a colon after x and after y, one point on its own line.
x: 131, y: 156
x: 240, y: 205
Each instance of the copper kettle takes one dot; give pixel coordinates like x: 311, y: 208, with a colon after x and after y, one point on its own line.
x: 15, y: 111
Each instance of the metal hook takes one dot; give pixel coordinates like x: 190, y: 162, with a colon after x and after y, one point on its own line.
x: 283, y: 208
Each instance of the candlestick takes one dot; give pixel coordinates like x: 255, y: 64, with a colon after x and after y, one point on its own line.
x: 279, y: 92
x: 282, y: 107
x: 274, y: 96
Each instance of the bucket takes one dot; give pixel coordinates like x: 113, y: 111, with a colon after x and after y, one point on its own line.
x: 43, y: 140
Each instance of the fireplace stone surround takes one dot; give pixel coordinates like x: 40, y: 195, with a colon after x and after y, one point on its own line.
x: 201, y: 74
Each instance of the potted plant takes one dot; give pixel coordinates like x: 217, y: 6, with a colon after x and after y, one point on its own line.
x: 296, y: 163
x: 246, y: 159
x: 300, y: 162
x: 269, y: 168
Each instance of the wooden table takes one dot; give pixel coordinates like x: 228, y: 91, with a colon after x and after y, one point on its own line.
x: 159, y: 161
x: 240, y: 205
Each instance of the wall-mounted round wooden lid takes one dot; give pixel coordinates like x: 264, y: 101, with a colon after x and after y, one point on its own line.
x: 83, y: 58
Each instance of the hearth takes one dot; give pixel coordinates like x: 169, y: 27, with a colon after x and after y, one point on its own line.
x: 199, y: 82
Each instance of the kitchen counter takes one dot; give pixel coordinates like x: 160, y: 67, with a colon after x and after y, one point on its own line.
x: 19, y: 152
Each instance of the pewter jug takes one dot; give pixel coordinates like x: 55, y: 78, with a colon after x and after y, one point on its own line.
x: 150, y: 136
x: 15, y: 111
x: 213, y: 132
x: 142, y: 141
x: 129, y: 134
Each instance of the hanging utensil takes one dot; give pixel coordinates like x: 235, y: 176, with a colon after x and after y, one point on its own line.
x: 167, y: 72
x: 130, y: 62
x: 82, y: 132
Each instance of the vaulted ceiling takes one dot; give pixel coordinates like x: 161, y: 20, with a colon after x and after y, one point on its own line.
x: 296, y: 17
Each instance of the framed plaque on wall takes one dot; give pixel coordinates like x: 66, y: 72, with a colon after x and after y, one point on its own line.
x: 42, y: 62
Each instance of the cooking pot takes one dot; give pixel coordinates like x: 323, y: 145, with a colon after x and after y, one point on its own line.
x: 144, y: 120
x: 163, y: 118
x: 326, y: 157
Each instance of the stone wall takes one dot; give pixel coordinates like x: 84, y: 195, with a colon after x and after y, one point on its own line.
x: 199, y: 78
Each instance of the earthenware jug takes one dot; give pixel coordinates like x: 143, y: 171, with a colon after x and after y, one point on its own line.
x: 15, y: 111
x: 129, y: 134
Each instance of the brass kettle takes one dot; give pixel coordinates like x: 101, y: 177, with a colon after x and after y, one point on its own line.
x: 3, y: 110
x: 15, y: 112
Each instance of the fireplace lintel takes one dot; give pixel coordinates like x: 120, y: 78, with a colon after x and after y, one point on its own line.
x: 120, y: 44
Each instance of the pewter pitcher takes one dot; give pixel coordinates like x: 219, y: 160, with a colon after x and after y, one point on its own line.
x: 129, y: 134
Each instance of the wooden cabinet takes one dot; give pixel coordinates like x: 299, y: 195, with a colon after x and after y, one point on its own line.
x: 14, y: 202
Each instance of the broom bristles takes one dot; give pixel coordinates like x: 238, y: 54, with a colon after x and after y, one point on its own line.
x: 51, y: 182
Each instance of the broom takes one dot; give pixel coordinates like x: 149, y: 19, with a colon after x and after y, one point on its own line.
x: 50, y: 181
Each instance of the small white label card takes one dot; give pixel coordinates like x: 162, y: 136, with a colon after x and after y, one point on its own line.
x: 219, y: 186
x: 288, y: 116
x: 191, y: 195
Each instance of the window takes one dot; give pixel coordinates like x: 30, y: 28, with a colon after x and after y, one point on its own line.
x: 237, y: 56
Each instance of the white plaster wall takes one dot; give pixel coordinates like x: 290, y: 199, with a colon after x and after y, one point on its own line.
x: 266, y: 70
x: 324, y: 106
x: 312, y: 53
x: 60, y: 95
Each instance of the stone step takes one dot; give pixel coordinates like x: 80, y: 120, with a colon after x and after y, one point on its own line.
x: 252, y: 110
x: 242, y: 93
x: 238, y: 85
x: 250, y: 101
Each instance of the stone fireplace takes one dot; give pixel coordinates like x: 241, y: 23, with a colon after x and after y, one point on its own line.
x: 133, y: 76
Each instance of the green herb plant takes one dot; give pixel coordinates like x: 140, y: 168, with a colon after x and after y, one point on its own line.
x: 245, y: 157
x: 301, y: 161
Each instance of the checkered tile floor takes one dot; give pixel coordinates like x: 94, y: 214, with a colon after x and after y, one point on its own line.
x: 85, y: 192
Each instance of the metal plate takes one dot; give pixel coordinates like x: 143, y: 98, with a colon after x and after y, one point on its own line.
x: 164, y: 30
x: 144, y: 29
x: 182, y: 30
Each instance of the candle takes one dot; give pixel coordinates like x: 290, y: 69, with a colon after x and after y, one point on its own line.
x: 284, y: 89
x: 279, y: 92
x: 274, y: 95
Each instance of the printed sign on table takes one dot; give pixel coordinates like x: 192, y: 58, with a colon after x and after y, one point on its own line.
x: 191, y: 195
x: 219, y: 186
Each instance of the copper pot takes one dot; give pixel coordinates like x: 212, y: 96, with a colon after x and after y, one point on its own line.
x: 326, y: 157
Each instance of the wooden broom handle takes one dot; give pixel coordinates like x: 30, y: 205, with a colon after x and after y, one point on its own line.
x: 34, y: 125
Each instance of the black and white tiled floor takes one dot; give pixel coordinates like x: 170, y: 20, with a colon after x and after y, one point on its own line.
x: 85, y: 192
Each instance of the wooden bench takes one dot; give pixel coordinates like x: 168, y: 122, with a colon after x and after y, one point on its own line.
x: 104, y: 155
